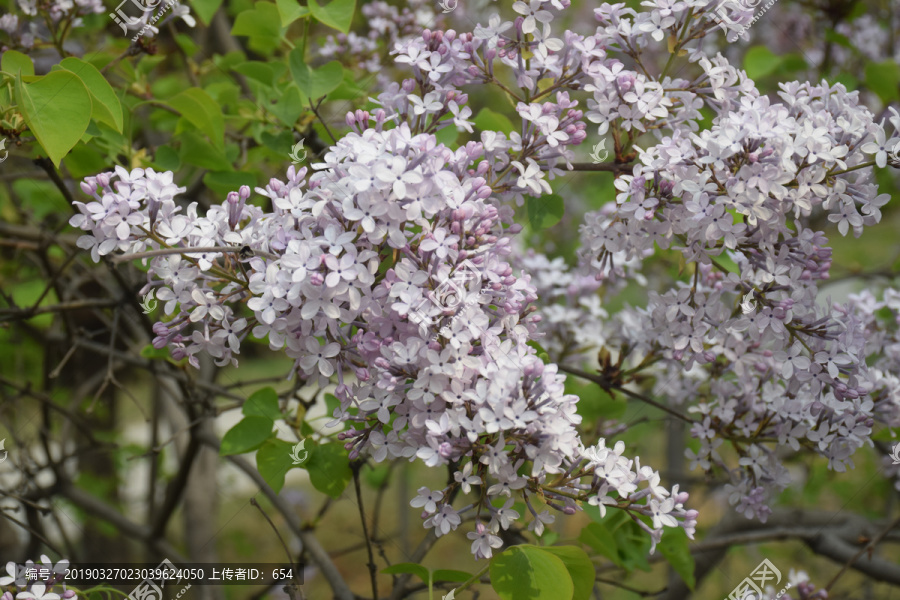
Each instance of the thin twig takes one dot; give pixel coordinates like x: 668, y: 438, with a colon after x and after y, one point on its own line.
x: 867, y: 548
x: 292, y: 588
x: 356, y: 466
x: 605, y: 383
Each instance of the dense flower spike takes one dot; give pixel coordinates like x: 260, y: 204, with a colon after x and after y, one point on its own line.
x: 390, y: 267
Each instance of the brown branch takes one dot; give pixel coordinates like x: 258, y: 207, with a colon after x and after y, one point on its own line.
x: 612, y: 167
x: 605, y: 384
x: 310, y: 542
x: 373, y: 569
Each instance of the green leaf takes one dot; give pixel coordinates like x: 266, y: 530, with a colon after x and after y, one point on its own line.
x: 261, y: 21
x: 598, y: 537
x: 447, y: 136
x: 262, y: 72
x: 377, y: 475
x: 759, y: 62
x: 249, y: 434
x: 274, y: 461
x: 14, y: 63
x: 195, y: 150
x: 674, y: 547
x: 450, y: 575
x: 290, y: 11
x: 883, y: 79
x: 837, y: 38
x: 545, y: 212
x: 315, y: 83
x: 222, y: 182
x: 205, y: 9
x: 83, y: 160
x: 634, y: 545
x: 580, y: 569
x: 289, y: 106
x: 329, y: 469
x: 337, y: 14
x: 280, y: 144
x: 167, y: 159
x: 57, y: 110
x: 262, y: 403
x: 527, y: 572
x: 152, y: 353
x: 201, y: 110
x: 488, y: 120
x: 186, y: 43
x: 411, y: 568
x: 106, y: 105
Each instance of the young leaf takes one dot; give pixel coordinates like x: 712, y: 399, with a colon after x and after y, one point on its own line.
x: 674, y: 547
x: 580, y: 569
x: 329, y: 469
x: 760, y: 61
x: 261, y: 21
x: 530, y: 573
x: 290, y: 11
x: 315, y: 83
x: 451, y: 575
x: 289, y: 107
x: 262, y: 403
x: 57, y: 110
x: 411, y: 568
x: 884, y: 79
x: 106, y: 105
x: 205, y: 9
x: 13, y: 62
x: 337, y: 14
x: 249, y: 434
x: 488, y: 120
x: 274, y: 461
x: 196, y: 106
x: 598, y: 537
x: 545, y: 212
x: 198, y: 152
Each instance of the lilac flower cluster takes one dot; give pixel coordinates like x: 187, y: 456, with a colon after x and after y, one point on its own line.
x: 344, y: 282
x: 28, y: 588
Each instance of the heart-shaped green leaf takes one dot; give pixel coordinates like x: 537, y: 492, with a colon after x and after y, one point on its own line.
x: 106, y: 105
x: 273, y: 461
x: 290, y: 11
x: 315, y: 83
x: 249, y: 434
x: 57, y: 110
x: 530, y: 573
x: 337, y: 14
x: 201, y: 110
x: 13, y: 62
